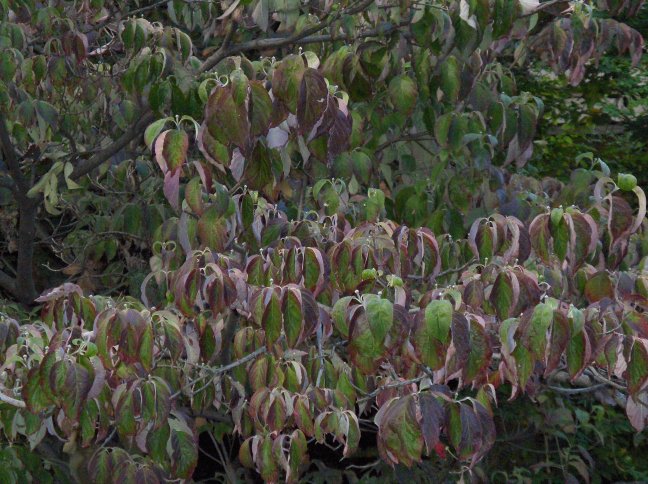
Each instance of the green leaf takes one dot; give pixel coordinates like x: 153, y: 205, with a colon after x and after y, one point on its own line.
x: 504, y: 294
x: 156, y: 443
x: 561, y: 235
x: 403, y: 93
x: 380, y: 314
x: 524, y: 364
x: 438, y: 320
x: 266, y: 462
x: 88, y: 421
x: 578, y: 353
x: 194, y: 195
x: 442, y: 128
x: 450, y: 80
x: 363, y: 349
x: 541, y: 237
x: 125, y: 412
x: 338, y: 315
x: 260, y: 109
x: 184, y: 453
x: 272, y: 316
x: 35, y: 397
x: 538, y: 328
x: 153, y: 130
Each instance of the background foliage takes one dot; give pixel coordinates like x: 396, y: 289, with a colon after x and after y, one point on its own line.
x: 323, y: 241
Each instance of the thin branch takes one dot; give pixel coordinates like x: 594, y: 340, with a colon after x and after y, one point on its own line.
x: 262, y: 44
x: 153, y: 6
x: 408, y: 137
x: 542, y: 6
x: 457, y: 269
x: 600, y: 378
x: 397, y: 384
x: 366, y: 466
x: 448, y: 271
x: 577, y: 391
x: 222, y: 369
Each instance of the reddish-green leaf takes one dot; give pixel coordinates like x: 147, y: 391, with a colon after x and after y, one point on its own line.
x: 292, y: 315
x: 313, y: 100
x: 637, y: 372
x: 504, y: 294
x: 171, y: 149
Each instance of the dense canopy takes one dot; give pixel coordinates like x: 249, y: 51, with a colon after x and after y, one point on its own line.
x: 284, y: 240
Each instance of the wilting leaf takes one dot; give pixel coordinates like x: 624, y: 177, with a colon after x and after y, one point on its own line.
x: 599, y: 286
x: 399, y: 434
x: 432, y: 418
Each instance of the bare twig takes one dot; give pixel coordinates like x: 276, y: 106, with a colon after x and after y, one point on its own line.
x: 457, y: 269
x: 408, y: 137
x: 397, y: 384
x: 448, y: 271
x: 220, y: 370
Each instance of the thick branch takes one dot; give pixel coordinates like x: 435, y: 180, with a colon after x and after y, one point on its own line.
x: 12, y: 401
x: 23, y: 287
x: 10, y: 157
x: 105, y: 154
x: 8, y: 284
